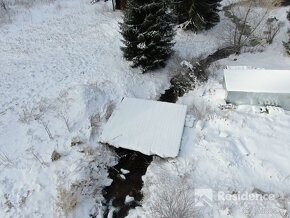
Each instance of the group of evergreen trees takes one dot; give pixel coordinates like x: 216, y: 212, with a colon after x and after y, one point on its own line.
x: 195, y: 14
x: 148, y: 27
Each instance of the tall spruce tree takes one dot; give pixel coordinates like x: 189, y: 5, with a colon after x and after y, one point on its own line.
x: 181, y: 9
x: 147, y: 31
x: 197, y: 15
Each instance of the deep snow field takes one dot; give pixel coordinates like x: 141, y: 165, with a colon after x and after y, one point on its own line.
x: 61, y: 73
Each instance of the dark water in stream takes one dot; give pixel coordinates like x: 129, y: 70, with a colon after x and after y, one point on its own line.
x: 136, y: 163
x: 116, y: 193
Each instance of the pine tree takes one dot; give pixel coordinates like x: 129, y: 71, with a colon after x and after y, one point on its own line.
x: 147, y: 31
x: 196, y: 19
x: 181, y: 9
x: 197, y: 15
x: 210, y: 12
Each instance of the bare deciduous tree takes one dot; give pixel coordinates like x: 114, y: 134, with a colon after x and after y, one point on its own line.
x: 273, y: 26
x: 37, y: 113
x: 247, y: 22
x: 62, y: 109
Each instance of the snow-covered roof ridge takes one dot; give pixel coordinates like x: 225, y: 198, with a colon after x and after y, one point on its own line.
x: 150, y: 127
x: 257, y: 80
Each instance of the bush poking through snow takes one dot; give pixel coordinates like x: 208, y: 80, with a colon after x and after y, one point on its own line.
x: 66, y: 201
x: 173, y: 201
x: 28, y: 114
x: 273, y: 26
x: 38, y: 113
x: 187, y: 77
x: 5, y: 160
x: 46, y: 127
x: 95, y: 121
x: 55, y: 156
x: 3, y: 5
x: 109, y: 109
x: 287, y: 45
x: 4, y: 12
x: 30, y: 3
x: 9, y: 8
x: 62, y: 109
x: 76, y: 141
x: 245, y: 28
x: 201, y: 110
x: 7, y: 202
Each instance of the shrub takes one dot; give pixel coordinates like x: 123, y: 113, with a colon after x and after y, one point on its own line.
x: 173, y: 198
x: 287, y: 47
x: 66, y: 201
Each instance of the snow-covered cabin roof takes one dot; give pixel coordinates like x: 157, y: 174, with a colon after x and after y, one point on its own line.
x: 150, y: 127
x: 257, y: 80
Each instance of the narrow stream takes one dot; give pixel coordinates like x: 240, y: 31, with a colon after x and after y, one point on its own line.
x: 127, y: 176
x: 126, y: 184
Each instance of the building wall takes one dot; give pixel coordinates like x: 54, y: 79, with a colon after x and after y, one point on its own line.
x: 264, y: 99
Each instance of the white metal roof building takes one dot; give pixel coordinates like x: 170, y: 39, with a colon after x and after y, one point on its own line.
x: 258, y: 87
x: 150, y: 127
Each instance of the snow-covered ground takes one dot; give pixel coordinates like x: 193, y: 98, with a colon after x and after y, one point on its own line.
x: 231, y: 152
x: 61, y: 73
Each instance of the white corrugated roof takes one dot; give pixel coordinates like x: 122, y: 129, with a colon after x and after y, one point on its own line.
x: 150, y: 127
x: 264, y: 81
